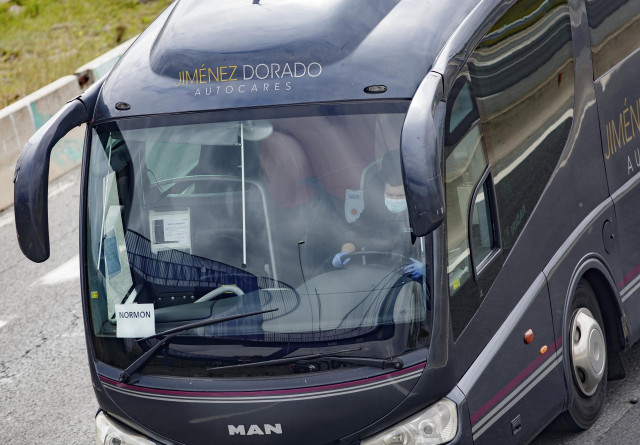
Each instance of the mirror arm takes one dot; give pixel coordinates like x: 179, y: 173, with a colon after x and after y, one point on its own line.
x: 420, y: 152
x: 31, y: 177
x: 31, y: 180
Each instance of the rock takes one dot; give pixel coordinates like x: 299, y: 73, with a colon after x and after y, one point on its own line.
x: 16, y: 9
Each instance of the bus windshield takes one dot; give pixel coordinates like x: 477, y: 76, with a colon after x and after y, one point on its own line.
x: 297, y: 213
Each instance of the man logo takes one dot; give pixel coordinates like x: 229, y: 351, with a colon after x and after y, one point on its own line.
x: 255, y: 430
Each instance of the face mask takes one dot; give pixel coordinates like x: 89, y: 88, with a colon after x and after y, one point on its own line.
x: 395, y: 205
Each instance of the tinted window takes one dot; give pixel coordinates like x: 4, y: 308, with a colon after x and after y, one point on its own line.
x: 522, y: 77
x: 482, y: 238
x: 205, y: 215
x: 614, y: 26
x: 512, y: 109
x: 464, y: 166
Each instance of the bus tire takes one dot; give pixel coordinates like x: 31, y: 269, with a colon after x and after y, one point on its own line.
x: 587, y: 356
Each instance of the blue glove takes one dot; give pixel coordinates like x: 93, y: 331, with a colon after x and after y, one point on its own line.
x: 415, y: 270
x: 338, y: 262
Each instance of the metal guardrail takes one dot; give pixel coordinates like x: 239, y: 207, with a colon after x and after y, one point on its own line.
x: 20, y: 120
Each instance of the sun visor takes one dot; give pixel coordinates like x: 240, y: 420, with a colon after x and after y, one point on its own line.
x: 221, y: 133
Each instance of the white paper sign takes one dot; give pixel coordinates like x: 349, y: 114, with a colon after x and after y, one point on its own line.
x: 113, y: 248
x: 117, y: 271
x: 135, y: 320
x: 170, y: 230
x: 353, y: 205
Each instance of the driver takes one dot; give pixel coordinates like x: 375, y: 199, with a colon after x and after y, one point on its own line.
x: 388, y: 231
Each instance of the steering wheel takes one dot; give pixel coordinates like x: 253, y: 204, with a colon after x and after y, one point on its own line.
x: 219, y: 291
x: 376, y: 254
x: 179, y: 185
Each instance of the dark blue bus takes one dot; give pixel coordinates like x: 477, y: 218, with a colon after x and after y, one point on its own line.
x: 356, y: 222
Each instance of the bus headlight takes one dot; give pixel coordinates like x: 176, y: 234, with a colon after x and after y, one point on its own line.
x: 437, y: 424
x: 111, y: 432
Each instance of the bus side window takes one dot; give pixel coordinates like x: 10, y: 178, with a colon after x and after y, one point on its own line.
x: 526, y: 110
x: 613, y: 33
x: 511, y: 108
x: 466, y: 168
x: 465, y: 164
x: 483, y: 222
x: 482, y: 242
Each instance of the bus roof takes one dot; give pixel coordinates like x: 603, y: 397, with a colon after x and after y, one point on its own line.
x: 243, y: 53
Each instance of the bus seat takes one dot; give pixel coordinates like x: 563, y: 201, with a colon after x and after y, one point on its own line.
x: 286, y: 170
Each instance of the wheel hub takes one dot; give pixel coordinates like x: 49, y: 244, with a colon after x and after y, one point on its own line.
x: 587, y: 351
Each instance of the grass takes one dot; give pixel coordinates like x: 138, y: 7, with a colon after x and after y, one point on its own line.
x: 43, y: 40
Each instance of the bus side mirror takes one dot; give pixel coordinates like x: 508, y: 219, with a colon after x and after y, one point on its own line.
x: 421, y: 145
x: 31, y: 178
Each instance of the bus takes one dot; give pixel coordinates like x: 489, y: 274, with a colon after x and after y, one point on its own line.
x: 356, y: 222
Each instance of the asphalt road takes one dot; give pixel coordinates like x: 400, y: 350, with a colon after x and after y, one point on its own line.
x: 45, y: 390
x: 619, y: 423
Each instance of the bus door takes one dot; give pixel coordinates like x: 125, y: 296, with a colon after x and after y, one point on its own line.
x: 614, y: 27
x: 509, y: 114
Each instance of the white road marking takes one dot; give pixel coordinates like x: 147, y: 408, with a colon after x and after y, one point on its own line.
x: 67, y: 272
x: 54, y: 190
x: 60, y: 187
x: 3, y: 324
x: 6, y: 220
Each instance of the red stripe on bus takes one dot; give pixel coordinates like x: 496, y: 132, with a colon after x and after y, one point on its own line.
x: 628, y: 277
x: 296, y: 391
x: 515, y: 382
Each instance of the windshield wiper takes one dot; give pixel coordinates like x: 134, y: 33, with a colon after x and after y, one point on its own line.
x: 329, y: 355
x: 171, y: 334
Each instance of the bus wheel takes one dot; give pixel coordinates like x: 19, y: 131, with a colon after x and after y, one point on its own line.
x: 588, y: 359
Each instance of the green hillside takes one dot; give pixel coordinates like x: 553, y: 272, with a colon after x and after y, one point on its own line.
x: 42, y: 40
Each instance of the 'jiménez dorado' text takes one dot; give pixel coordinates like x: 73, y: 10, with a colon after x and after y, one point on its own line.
x: 261, y: 77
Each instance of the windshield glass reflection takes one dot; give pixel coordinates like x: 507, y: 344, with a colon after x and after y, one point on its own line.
x: 301, y: 213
